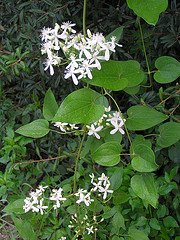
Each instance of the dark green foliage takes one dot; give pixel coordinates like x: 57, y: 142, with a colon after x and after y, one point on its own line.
x: 23, y: 84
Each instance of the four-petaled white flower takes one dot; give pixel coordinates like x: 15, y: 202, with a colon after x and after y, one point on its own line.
x: 117, y: 122
x: 84, y: 197
x: 90, y: 230
x: 102, y: 186
x: 40, y: 207
x: 56, y: 196
x: 94, y: 131
x: 105, y: 190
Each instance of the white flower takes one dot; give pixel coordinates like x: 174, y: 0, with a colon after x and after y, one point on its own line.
x: 90, y: 230
x: 104, y: 179
x: 56, y: 195
x: 47, y: 48
x: 46, y: 34
x: 85, y: 53
x: 97, y: 185
x: 83, y: 197
x: 118, y: 127
x: 92, y: 177
x: 48, y: 64
x: 71, y: 73
x: 73, y: 126
x: 74, y: 62
x: 41, y: 207
x: 105, y: 190
x: 28, y: 204
x: 117, y: 123
x: 62, y: 238
x: 68, y: 26
x: 61, y: 125
x: 40, y: 190
x: 93, y: 130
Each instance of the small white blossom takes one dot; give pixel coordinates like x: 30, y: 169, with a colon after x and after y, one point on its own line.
x: 56, y: 196
x: 105, y: 190
x: 94, y: 131
x: 83, y: 197
x: 90, y: 230
x: 102, y: 185
x: 63, y: 238
x: 61, y: 125
x: 117, y: 123
x: 41, y: 207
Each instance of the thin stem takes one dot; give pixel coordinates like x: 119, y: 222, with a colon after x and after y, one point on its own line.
x: 106, y: 93
x: 63, y: 133
x: 40, y: 160
x: 144, y: 50
x: 77, y: 158
x: 84, y: 18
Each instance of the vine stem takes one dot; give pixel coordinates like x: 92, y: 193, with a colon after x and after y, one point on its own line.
x: 106, y: 93
x: 84, y: 18
x: 145, y: 53
x: 77, y: 158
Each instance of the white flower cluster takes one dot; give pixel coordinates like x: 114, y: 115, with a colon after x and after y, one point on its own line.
x: 102, y: 185
x: 56, y: 196
x: 83, y: 53
x: 109, y: 119
x: 35, y: 200
x: 84, y: 196
x: 89, y: 227
x: 114, y: 120
x: 64, y: 127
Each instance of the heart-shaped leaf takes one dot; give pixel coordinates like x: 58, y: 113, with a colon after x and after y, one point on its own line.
x: 108, y: 154
x: 82, y: 106
x: 168, y: 69
x: 117, y: 75
x: 169, y: 134
x: 144, y: 161
x: 149, y: 10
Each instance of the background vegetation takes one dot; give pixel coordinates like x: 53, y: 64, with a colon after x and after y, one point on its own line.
x: 23, y: 84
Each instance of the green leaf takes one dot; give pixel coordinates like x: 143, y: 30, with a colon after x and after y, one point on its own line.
x: 170, y: 222
x: 116, y: 33
x: 145, y: 159
x: 82, y: 106
x: 143, y: 117
x: 120, y: 197
x: 50, y: 105
x: 168, y: 69
x: 132, y: 90
x: 144, y: 187
x: 149, y: 10
x: 118, y: 222
x: 169, y: 134
x: 116, y: 178
x: 108, y: 154
x: 136, y: 234
x: 15, y: 207
x: 36, y: 129
x: 117, y: 75
x: 25, y: 229
x: 154, y: 223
